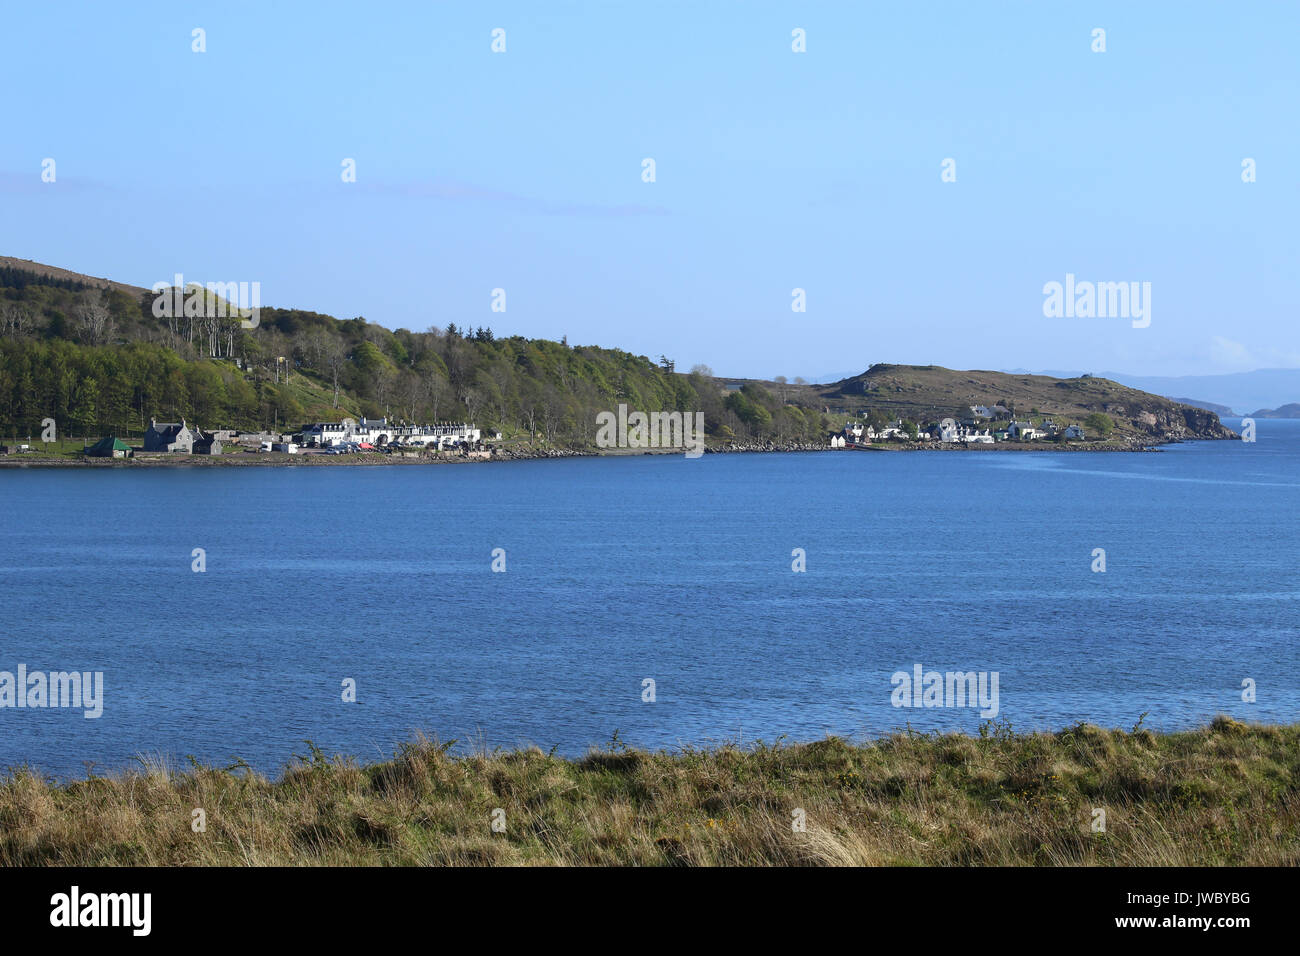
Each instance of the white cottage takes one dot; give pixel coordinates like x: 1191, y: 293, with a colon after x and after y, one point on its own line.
x: 946, y: 430
x: 1023, y: 431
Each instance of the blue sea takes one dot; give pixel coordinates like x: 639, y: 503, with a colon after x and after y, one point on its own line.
x: 620, y: 571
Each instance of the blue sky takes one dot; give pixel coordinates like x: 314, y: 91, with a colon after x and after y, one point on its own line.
x: 775, y: 170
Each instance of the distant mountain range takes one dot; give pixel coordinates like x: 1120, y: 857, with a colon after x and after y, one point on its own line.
x: 1223, y: 411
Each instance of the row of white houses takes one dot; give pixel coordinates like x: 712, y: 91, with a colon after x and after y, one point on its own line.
x: 950, y: 431
x: 382, y: 432
x: 968, y: 431
x: 1025, y: 431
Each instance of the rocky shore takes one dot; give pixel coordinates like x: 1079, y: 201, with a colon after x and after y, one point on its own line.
x: 1134, y: 446
x: 534, y: 454
x: 734, y: 447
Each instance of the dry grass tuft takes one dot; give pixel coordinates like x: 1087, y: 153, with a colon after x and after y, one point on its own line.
x: 1222, y: 795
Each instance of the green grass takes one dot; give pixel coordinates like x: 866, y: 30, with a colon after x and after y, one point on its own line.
x: 63, y: 448
x: 1222, y: 795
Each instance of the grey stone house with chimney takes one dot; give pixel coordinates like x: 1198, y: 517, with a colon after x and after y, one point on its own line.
x: 169, y: 436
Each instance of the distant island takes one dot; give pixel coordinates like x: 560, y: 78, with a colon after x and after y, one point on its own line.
x: 1223, y: 411
x: 1291, y: 410
x: 88, y: 364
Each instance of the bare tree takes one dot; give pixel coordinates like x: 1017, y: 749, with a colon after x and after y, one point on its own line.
x: 334, y: 355
x: 94, y: 321
x: 502, y: 379
x: 473, y: 403
x: 385, y: 386
x: 459, y: 364
x: 552, y: 410
x: 436, y: 388
x: 530, y: 404
x: 17, y: 319
x: 412, y: 392
x: 307, y: 348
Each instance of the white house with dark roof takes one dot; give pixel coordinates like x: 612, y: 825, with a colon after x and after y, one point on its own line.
x: 974, y: 436
x: 444, y: 433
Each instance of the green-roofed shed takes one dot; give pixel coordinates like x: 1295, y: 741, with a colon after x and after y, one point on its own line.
x: 109, y: 448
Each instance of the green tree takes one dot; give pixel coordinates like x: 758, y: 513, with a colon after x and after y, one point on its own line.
x: 1099, y: 423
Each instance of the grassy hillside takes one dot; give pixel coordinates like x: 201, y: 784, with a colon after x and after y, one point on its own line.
x: 1223, y: 795
x: 22, y: 271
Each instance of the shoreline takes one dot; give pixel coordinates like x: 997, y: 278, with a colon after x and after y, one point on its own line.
x: 316, y: 459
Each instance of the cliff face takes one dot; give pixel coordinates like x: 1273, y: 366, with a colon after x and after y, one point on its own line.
x: 1164, y: 420
x: 1200, y: 423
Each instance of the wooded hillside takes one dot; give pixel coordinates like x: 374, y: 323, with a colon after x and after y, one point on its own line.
x: 96, y: 358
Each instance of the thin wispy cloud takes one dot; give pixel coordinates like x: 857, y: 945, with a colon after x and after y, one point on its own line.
x: 1235, y: 356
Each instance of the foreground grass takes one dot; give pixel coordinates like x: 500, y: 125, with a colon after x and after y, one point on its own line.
x: 1225, y: 794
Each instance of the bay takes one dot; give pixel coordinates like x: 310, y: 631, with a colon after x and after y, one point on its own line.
x: 622, y: 570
